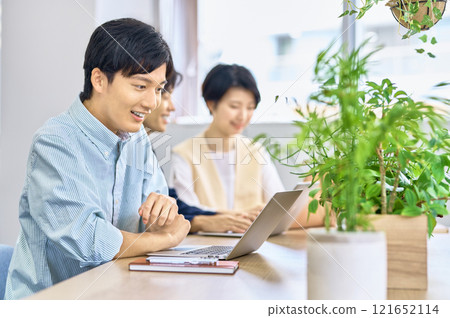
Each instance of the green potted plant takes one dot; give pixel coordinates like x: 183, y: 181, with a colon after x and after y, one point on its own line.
x: 417, y: 15
x: 414, y: 15
x: 382, y: 152
x: 380, y: 155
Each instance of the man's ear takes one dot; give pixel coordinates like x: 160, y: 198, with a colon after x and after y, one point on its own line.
x: 99, y: 80
x: 211, y: 106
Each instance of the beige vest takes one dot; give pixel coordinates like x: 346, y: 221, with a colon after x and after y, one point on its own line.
x: 208, y: 186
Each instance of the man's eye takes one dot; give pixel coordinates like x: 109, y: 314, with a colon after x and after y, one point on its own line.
x: 140, y: 86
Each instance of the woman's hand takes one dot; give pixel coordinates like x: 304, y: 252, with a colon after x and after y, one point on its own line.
x: 235, y: 222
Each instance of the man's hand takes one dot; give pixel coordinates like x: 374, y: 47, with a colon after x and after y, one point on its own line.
x: 176, y: 231
x: 158, y: 209
x: 161, y: 237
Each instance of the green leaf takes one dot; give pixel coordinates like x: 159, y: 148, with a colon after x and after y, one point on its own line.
x: 346, y: 12
x: 438, y: 171
x: 400, y: 93
x: 313, y: 205
x: 420, y: 51
x: 439, y: 209
x: 445, y: 160
x: 431, y: 55
x: 432, y: 192
x: 327, y: 181
x: 330, y: 81
x: 415, y: 27
x: 373, y: 190
x: 276, y: 98
x: 431, y: 223
x: 433, y: 40
x: 411, y: 211
x: 427, y: 21
x: 437, y: 13
x: 442, y: 84
x: 410, y: 197
x: 313, y: 193
x: 423, y: 38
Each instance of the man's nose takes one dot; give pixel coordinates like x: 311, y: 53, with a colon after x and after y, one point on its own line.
x: 150, y: 100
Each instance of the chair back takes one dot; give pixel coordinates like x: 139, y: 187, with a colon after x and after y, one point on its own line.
x: 5, y: 258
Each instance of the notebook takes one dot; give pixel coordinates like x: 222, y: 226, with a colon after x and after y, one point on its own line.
x: 220, y: 267
x: 252, y: 239
x: 287, y: 219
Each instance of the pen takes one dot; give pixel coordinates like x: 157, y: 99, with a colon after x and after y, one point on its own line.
x: 182, y: 260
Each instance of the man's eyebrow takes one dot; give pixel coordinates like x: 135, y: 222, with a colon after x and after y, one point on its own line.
x: 147, y: 80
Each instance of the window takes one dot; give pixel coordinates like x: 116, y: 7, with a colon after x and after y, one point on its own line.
x: 277, y: 40
x: 412, y: 72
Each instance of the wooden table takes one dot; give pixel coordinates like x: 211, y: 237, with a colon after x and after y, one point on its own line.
x: 276, y: 271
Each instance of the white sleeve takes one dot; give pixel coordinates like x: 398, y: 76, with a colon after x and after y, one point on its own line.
x: 180, y: 178
x: 271, y: 181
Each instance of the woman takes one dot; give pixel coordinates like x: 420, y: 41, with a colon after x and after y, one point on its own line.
x: 201, y: 220
x: 221, y: 169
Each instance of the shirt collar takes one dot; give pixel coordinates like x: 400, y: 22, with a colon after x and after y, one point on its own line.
x: 103, y: 138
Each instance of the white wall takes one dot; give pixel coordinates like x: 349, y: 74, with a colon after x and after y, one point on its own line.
x: 43, y: 45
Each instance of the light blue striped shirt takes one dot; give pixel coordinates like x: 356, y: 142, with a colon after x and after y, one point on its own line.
x: 83, y: 185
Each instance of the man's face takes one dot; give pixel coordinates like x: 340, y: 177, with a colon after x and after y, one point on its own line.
x: 159, y: 118
x: 127, y: 101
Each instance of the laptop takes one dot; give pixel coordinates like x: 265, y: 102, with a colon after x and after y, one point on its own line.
x: 253, y: 238
x: 289, y: 217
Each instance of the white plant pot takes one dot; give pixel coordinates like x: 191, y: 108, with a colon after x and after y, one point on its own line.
x: 346, y: 265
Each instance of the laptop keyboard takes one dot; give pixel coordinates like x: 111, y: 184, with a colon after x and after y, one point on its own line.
x: 210, y: 250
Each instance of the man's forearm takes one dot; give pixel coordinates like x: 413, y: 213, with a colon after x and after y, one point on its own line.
x: 135, y: 244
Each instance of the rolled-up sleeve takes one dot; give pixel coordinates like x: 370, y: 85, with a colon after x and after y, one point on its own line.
x: 65, y: 204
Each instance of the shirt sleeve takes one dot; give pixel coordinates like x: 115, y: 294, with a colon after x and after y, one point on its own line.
x: 65, y: 204
x: 156, y: 182
x: 188, y: 211
x: 181, y: 180
x: 270, y: 179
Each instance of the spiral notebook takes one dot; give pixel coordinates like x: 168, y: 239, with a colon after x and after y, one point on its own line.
x: 220, y: 267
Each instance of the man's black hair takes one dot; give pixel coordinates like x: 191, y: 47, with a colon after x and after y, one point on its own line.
x: 126, y: 45
x: 173, y: 80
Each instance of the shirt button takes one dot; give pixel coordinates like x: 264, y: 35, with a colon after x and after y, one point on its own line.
x: 106, y: 153
x: 117, y: 201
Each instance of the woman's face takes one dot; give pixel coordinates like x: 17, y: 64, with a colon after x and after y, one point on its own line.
x: 159, y: 118
x: 232, y: 113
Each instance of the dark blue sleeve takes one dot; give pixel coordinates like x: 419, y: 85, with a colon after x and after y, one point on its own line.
x: 188, y: 211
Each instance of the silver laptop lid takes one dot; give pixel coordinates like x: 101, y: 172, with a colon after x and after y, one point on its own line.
x: 296, y: 208
x: 265, y: 223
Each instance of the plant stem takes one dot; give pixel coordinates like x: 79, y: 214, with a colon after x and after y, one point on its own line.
x: 394, y: 191
x: 382, y: 178
x: 419, y: 204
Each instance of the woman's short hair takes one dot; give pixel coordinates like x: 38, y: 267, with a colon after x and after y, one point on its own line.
x: 223, y: 77
x: 126, y: 45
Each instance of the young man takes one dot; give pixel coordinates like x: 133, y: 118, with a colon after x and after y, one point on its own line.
x: 93, y: 190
